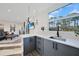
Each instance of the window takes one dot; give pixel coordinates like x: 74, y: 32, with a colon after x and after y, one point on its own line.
x: 67, y: 18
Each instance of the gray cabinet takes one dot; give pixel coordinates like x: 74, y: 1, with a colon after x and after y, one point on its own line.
x: 28, y: 45
x: 49, y: 48
x: 40, y: 45
x: 65, y: 50
x: 52, y: 48
x: 25, y: 46
x: 32, y: 43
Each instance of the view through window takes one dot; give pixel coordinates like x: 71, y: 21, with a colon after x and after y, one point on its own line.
x: 67, y: 18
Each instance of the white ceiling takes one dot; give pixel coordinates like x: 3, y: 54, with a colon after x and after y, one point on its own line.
x: 17, y: 12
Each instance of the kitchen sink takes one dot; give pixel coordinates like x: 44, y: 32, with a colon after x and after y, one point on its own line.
x: 57, y: 38
x: 52, y: 37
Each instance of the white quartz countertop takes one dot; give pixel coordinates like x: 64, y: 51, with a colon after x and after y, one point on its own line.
x: 69, y: 42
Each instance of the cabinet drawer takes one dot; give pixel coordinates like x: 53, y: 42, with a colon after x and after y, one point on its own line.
x: 38, y: 38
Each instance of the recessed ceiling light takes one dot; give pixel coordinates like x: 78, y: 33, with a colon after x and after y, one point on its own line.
x: 34, y: 11
x: 9, y: 10
x: 18, y: 17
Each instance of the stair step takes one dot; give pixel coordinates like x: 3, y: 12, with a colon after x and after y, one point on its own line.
x: 19, y: 54
x: 9, y: 52
x: 10, y: 46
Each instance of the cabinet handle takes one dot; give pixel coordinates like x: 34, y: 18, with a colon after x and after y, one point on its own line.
x: 53, y: 44
x: 56, y: 46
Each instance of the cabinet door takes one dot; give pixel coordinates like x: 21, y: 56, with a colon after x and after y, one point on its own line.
x: 57, y: 49
x: 48, y: 48
x: 67, y: 50
x: 40, y: 45
x: 32, y: 43
x: 26, y: 46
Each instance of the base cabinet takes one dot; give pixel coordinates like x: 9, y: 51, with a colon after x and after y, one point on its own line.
x: 28, y: 45
x: 65, y: 50
x: 57, y: 49
x: 47, y: 47
x: 40, y: 45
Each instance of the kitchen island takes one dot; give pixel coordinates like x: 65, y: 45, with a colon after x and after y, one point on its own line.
x: 47, y: 46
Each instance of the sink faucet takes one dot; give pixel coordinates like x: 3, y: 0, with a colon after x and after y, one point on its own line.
x: 57, y: 31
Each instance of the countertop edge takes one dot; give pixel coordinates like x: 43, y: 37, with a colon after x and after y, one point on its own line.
x: 72, y: 43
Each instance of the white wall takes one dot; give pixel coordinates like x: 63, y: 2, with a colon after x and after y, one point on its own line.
x: 43, y: 21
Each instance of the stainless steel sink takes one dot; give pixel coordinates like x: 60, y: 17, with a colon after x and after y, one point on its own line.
x: 52, y: 37
x: 57, y: 38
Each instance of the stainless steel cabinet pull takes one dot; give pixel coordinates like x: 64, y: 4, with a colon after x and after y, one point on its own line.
x: 53, y: 44
x: 56, y: 46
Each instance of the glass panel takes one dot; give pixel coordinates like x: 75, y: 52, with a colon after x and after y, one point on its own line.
x: 66, y: 17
